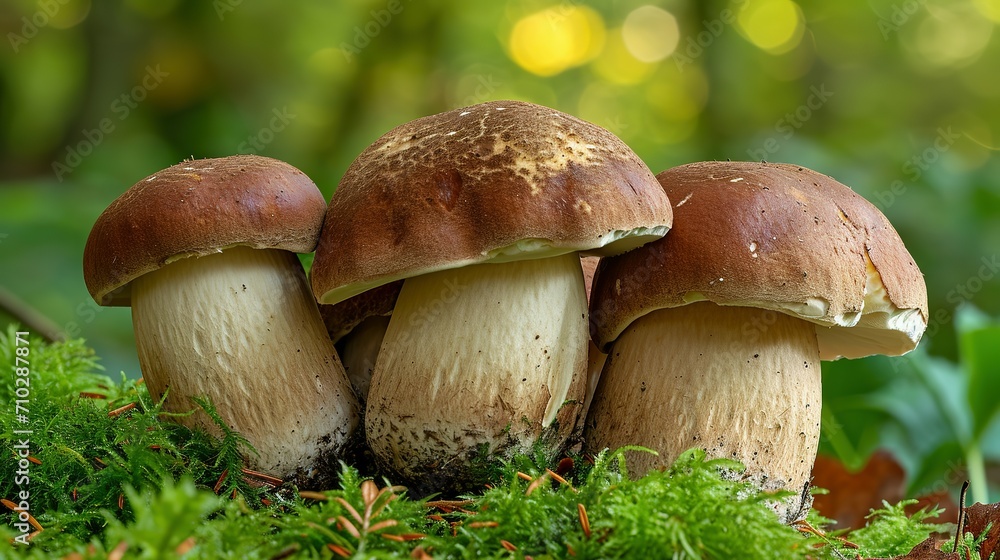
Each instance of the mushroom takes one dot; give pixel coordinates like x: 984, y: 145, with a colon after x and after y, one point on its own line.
x: 715, y: 333
x: 204, y: 252
x: 481, y: 212
x: 357, y: 326
x: 595, y: 358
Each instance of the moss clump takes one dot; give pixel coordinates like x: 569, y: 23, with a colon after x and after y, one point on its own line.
x: 110, y: 478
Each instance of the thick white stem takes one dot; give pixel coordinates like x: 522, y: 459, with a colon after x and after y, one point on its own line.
x: 242, y: 328
x: 489, y: 356
x: 739, y: 382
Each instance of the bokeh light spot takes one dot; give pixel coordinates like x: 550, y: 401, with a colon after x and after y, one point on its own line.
x: 989, y: 8
x: 775, y: 26
x: 617, y: 65
x: 69, y: 14
x: 676, y: 95
x: 557, y: 38
x: 650, y: 33
x: 947, y: 37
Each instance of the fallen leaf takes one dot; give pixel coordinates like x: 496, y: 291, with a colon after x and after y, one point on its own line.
x: 852, y: 495
x: 927, y: 550
x: 977, y: 518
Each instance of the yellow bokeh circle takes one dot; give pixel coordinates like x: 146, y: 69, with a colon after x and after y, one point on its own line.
x: 775, y: 26
x: 557, y: 38
x: 650, y: 33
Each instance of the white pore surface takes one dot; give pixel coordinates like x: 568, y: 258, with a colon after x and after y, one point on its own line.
x: 878, y: 328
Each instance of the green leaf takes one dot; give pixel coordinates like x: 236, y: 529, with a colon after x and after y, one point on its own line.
x: 939, y: 470
x: 980, y: 349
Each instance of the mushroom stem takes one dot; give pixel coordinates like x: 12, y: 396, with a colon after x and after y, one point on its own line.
x: 595, y: 365
x: 739, y: 382
x: 241, y: 327
x: 359, y: 350
x: 485, y: 357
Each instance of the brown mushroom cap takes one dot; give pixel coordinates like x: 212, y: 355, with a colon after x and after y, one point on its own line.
x: 197, y: 208
x: 772, y: 236
x: 495, y: 182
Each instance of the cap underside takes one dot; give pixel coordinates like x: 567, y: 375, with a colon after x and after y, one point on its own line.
x: 614, y: 243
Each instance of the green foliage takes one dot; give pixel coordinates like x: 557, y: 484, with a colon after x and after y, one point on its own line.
x: 939, y: 417
x: 127, y: 483
x: 93, y: 440
x: 890, y: 530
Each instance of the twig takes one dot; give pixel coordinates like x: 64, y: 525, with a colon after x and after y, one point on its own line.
x: 31, y: 318
x: 961, y: 515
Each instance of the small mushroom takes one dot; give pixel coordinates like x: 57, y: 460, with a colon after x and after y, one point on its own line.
x: 357, y: 327
x: 595, y: 358
x: 204, y: 252
x: 715, y: 333
x: 481, y: 212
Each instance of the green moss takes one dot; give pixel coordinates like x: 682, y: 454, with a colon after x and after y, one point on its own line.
x: 131, y: 482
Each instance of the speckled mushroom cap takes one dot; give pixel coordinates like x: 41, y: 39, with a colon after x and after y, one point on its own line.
x: 772, y: 236
x: 495, y: 182
x: 197, y: 208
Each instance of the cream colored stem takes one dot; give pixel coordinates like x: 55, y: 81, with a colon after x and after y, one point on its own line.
x: 490, y: 355
x: 242, y: 328
x: 741, y: 383
x: 360, y: 350
x: 595, y: 365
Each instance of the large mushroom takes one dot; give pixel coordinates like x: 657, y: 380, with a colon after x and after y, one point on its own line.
x: 715, y: 333
x: 482, y: 212
x: 204, y: 252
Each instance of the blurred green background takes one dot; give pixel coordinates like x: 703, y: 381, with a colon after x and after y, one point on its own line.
x: 899, y: 99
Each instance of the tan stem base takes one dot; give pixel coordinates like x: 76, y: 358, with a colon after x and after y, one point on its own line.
x: 488, y: 357
x: 741, y: 383
x: 242, y: 328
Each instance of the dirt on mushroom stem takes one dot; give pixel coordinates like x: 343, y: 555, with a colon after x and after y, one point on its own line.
x: 489, y: 356
x: 241, y: 327
x: 708, y: 376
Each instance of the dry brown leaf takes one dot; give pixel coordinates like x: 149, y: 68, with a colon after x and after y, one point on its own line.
x: 852, y: 495
x: 977, y: 518
x: 927, y: 550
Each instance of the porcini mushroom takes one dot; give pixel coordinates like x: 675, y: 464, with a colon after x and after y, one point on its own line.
x: 715, y: 333
x: 481, y: 211
x: 357, y: 327
x: 595, y: 358
x: 204, y: 252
